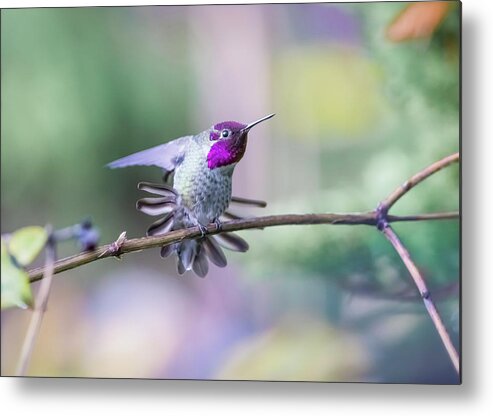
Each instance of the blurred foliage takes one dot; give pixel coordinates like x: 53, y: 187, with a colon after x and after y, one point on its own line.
x: 416, y: 124
x: 81, y: 102
x: 16, y: 290
x: 418, y: 20
x: 357, y: 114
x: 403, y: 99
x: 337, y: 86
x: 25, y: 244
x: 19, y: 249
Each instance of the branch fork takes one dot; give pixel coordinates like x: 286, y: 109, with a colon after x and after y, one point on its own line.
x: 384, y: 226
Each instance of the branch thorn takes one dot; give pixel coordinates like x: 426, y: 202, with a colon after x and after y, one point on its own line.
x: 115, y: 248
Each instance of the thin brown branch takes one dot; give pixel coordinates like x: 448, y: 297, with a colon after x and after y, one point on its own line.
x: 424, y: 217
x: 39, y: 310
x: 398, y: 193
x: 138, y: 244
x: 425, y: 294
x: 383, y: 225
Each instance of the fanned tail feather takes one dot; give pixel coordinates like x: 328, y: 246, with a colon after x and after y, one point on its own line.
x: 162, y: 225
x: 192, y: 254
x: 166, y: 251
x: 186, y: 251
x: 200, y: 264
x: 232, y: 242
x: 157, y: 188
x: 228, y: 215
x: 166, y: 204
x: 196, y: 254
x: 157, y: 206
x: 214, y: 252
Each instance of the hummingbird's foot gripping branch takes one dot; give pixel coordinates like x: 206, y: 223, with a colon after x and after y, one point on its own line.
x: 218, y: 223
x: 203, y: 229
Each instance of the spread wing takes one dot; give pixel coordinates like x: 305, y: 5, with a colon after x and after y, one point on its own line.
x: 167, y: 156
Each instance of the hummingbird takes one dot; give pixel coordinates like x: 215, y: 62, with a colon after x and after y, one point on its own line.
x: 196, y: 191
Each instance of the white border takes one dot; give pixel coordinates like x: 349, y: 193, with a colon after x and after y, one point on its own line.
x: 474, y: 397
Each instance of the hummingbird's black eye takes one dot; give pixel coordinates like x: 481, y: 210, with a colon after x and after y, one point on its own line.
x: 225, y: 133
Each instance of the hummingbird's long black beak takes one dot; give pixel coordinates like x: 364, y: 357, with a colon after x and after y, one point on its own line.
x: 257, y: 122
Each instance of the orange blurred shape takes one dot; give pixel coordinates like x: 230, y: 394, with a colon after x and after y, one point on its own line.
x: 417, y: 21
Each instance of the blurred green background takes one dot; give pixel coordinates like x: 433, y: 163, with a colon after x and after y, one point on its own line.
x: 359, y: 110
